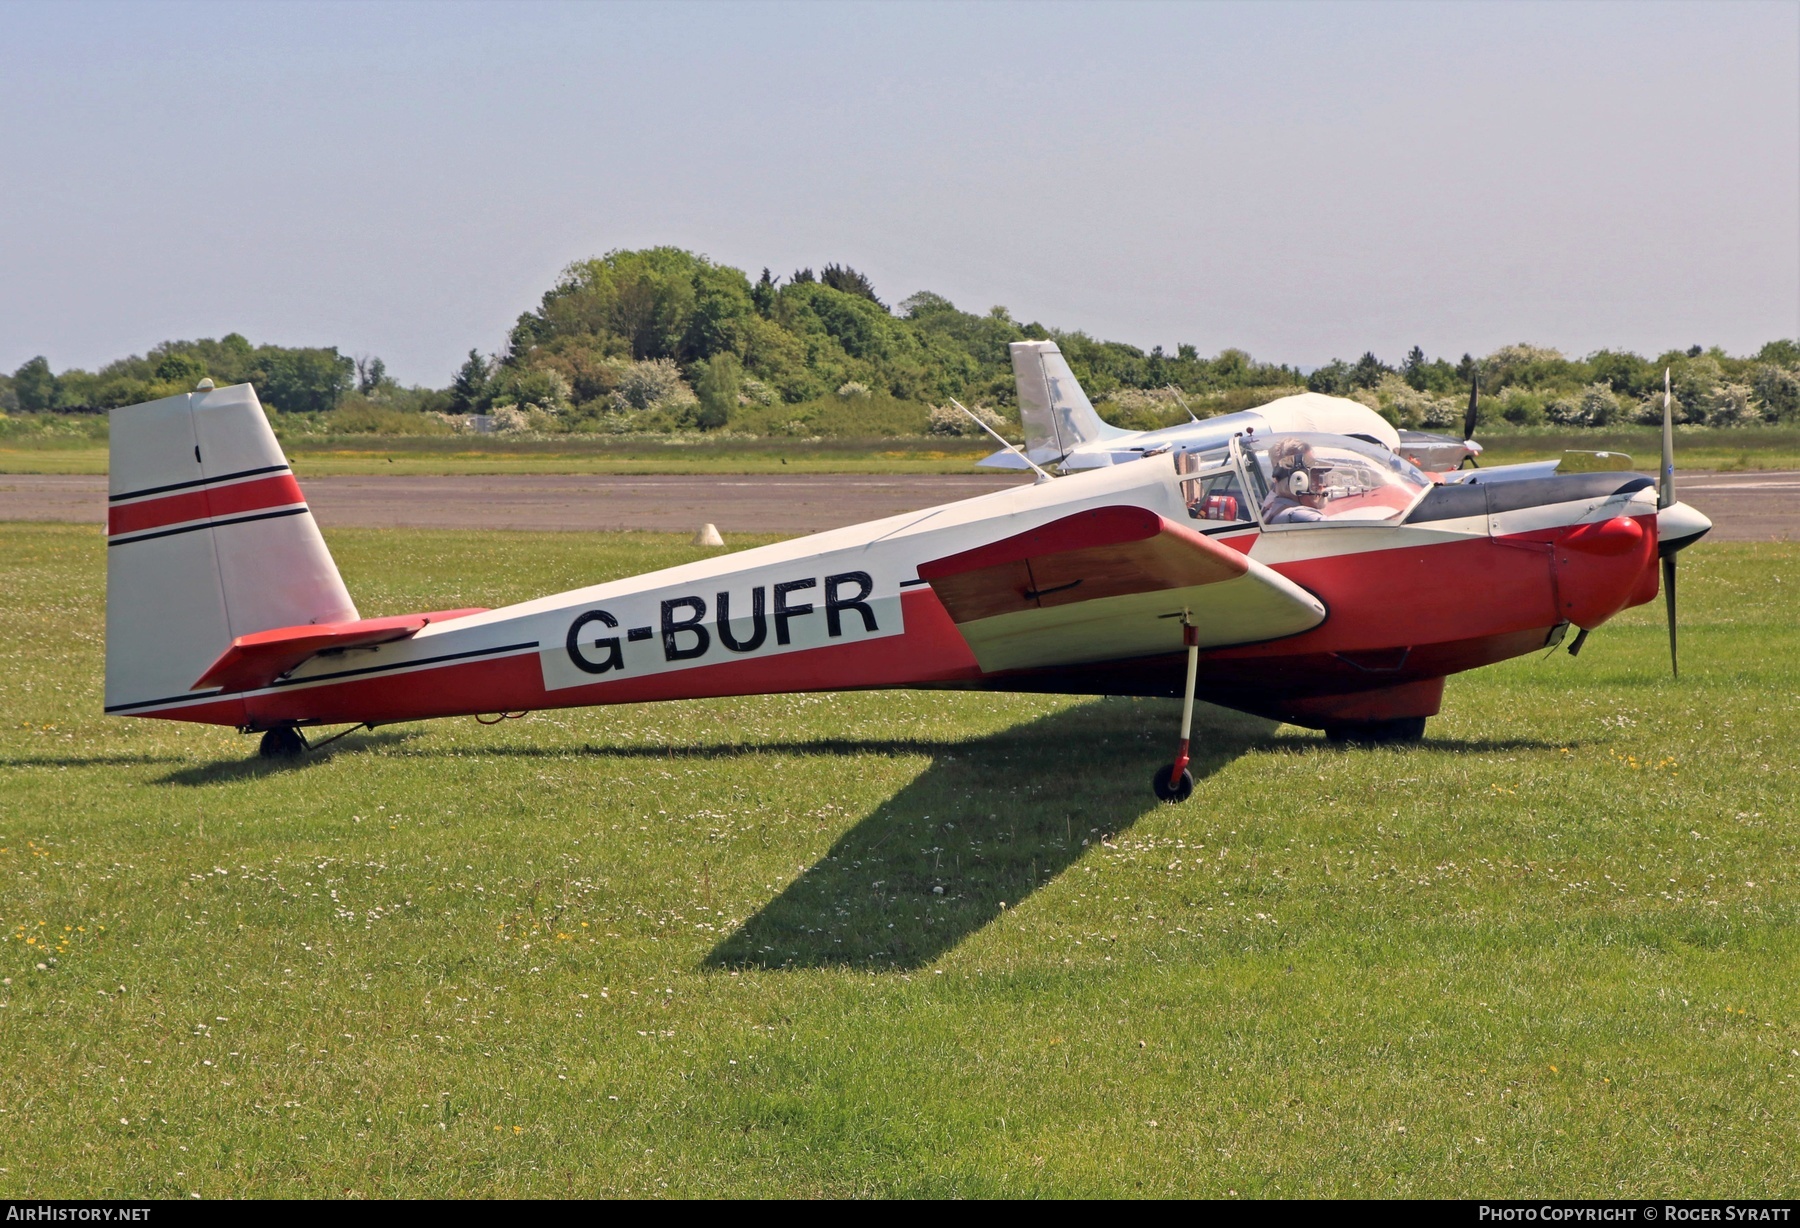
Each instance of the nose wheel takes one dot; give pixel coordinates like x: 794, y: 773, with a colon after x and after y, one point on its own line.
x: 1174, y: 783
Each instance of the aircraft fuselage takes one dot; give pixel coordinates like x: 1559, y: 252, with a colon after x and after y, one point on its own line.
x: 1473, y: 575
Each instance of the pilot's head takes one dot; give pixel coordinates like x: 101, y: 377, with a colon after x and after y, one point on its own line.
x: 1298, y: 474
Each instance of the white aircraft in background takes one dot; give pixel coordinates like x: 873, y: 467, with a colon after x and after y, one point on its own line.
x: 1062, y: 429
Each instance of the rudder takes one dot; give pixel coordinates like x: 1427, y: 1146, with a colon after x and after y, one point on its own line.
x: 1055, y: 411
x: 208, y: 538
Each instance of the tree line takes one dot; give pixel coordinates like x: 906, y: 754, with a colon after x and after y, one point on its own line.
x: 663, y: 339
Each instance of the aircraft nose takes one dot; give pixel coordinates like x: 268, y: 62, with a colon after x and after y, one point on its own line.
x: 1679, y: 526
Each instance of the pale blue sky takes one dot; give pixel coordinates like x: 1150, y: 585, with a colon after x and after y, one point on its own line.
x: 1302, y: 180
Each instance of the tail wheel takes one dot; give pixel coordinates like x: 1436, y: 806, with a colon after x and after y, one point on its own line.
x: 1172, y: 788
x: 282, y: 742
x: 1396, y: 732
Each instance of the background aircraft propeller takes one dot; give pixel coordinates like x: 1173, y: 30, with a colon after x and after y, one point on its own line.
x: 1473, y: 412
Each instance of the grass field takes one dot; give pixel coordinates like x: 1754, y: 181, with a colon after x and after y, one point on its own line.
x: 1720, y: 450
x: 697, y: 948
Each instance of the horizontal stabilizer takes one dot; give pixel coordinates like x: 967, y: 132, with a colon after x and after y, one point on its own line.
x: 257, y: 660
x: 1005, y: 458
x: 1110, y: 583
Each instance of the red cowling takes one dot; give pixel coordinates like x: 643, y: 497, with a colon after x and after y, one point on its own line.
x: 1601, y: 568
x: 257, y: 660
x: 1620, y: 535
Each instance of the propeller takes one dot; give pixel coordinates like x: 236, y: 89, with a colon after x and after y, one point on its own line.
x: 1474, y: 412
x: 1665, y: 497
x: 1678, y: 526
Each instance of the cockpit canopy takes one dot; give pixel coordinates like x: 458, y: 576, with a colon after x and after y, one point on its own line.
x: 1299, y: 478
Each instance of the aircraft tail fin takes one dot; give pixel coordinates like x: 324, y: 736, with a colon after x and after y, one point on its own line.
x: 208, y: 538
x: 1057, y: 415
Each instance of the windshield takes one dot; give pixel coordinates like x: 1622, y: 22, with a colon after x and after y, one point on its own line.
x: 1213, y: 490
x: 1332, y: 479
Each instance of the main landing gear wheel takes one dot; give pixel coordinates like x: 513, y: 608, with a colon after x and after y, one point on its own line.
x: 1174, y: 783
x: 1396, y: 732
x: 1172, y: 788
x: 282, y: 742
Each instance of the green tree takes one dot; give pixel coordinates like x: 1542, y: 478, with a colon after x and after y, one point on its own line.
x: 1629, y: 374
x: 846, y: 279
x: 1332, y: 379
x: 1413, y: 369
x: 662, y: 303
x: 34, y: 385
x: 1782, y: 353
x: 717, y: 385
x: 371, y: 376
x: 303, y: 380
x: 541, y: 387
x: 1368, y: 371
x: 1778, y: 391
x: 469, y: 390
x: 180, y: 368
x: 762, y: 294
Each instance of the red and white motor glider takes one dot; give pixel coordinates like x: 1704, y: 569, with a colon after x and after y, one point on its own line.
x: 1188, y: 573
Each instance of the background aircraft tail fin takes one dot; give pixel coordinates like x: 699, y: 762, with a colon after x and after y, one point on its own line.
x: 1056, y: 412
x: 208, y: 538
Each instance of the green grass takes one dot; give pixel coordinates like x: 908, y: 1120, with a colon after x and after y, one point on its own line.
x: 1722, y: 449
x: 695, y: 948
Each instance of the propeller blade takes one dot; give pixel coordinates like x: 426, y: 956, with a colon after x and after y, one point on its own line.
x: 1665, y: 488
x: 1668, y: 577
x: 1474, y: 410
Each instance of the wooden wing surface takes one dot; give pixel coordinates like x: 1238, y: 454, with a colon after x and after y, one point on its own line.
x: 1109, y: 584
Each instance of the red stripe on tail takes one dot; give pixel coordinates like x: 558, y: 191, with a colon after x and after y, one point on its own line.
x: 277, y: 490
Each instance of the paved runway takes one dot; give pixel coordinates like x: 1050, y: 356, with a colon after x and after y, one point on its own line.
x: 1757, y: 506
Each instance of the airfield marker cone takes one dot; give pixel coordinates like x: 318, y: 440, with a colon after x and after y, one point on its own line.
x: 708, y: 535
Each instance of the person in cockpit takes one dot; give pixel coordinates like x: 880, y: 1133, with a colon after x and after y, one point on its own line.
x: 1299, y: 493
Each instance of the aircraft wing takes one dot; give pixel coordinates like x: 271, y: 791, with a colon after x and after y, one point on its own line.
x: 258, y: 659
x: 1109, y: 584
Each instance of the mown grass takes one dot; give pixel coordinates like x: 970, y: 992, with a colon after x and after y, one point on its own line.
x: 697, y: 948
x: 1721, y: 449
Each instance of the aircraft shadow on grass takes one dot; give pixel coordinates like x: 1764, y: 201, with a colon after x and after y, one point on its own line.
x: 989, y: 822
x: 256, y: 767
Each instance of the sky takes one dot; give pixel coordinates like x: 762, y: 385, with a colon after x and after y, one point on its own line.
x: 1304, y: 181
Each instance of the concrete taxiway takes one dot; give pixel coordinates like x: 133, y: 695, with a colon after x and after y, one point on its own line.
x: 1750, y: 506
